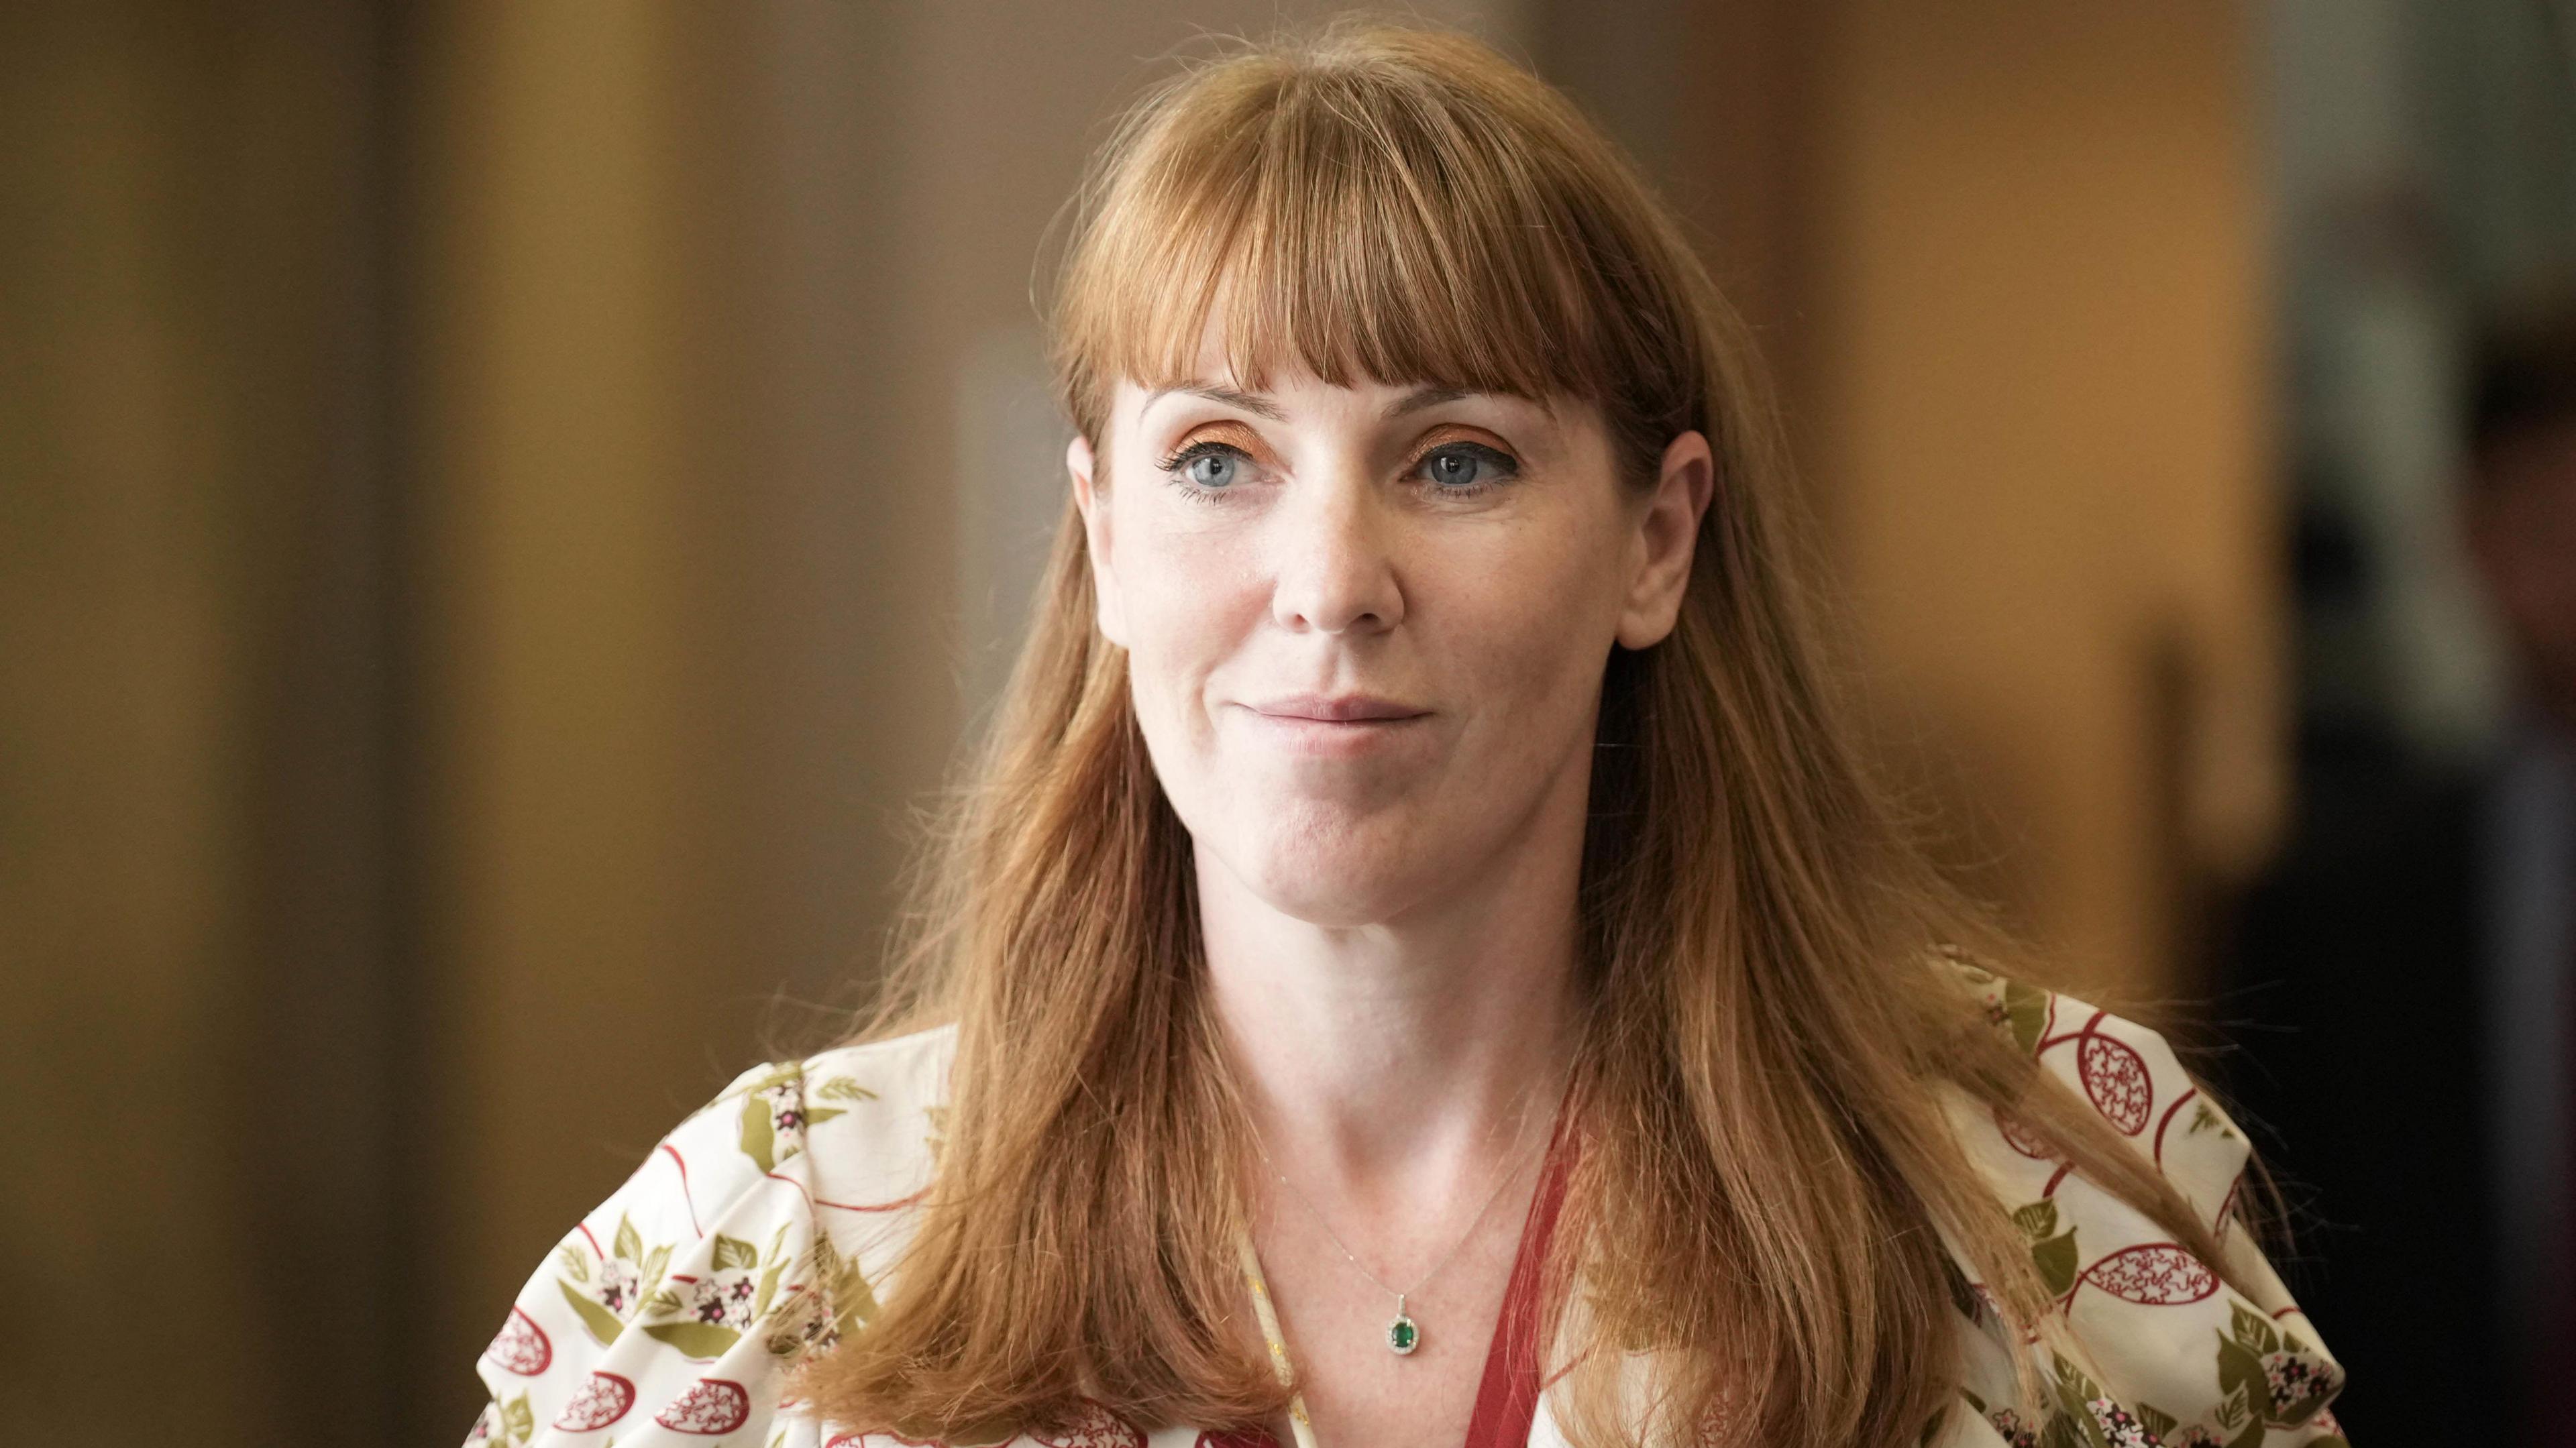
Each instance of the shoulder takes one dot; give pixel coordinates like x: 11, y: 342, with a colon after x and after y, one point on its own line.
x: 870, y: 1121
x: 755, y: 1231
x: 2148, y: 1337
x: 2133, y: 1079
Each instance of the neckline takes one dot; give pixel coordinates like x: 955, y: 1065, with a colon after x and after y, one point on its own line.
x: 1507, y: 1393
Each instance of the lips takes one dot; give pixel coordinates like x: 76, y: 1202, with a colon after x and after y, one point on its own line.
x: 1337, y: 708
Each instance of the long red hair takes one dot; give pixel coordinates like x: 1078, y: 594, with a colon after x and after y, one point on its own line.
x: 1768, y: 1174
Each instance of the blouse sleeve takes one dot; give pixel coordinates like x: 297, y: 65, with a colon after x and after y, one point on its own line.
x: 682, y: 1299
x: 2156, y: 1347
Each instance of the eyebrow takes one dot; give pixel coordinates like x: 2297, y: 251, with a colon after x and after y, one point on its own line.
x: 1260, y: 405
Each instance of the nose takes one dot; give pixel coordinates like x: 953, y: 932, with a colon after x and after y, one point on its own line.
x: 1336, y: 565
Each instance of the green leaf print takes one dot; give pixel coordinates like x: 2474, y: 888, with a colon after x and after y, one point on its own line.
x: 694, y: 1339
x: 759, y: 1139
x: 853, y: 1301
x: 2074, y: 1389
x: 768, y: 1289
x: 2071, y: 1430
x: 2056, y: 1260
x: 654, y: 1262
x: 2159, y: 1423
x: 2232, y: 1411
x: 2240, y: 1376
x: 2037, y: 1220
x: 2026, y: 1008
x: 735, y: 1252
x: 576, y: 1262
x: 937, y: 1139
x: 2253, y: 1331
x: 602, y: 1323
x: 518, y: 1420
x: 2072, y: 1424
x: 842, y: 1088
x: 769, y: 1279
x: 630, y: 1244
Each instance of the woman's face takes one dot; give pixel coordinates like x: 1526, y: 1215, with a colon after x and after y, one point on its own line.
x: 1366, y: 626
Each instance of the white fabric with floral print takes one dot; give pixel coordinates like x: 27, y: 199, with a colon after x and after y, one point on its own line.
x: 768, y: 1223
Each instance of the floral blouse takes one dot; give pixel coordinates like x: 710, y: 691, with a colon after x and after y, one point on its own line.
x: 768, y: 1224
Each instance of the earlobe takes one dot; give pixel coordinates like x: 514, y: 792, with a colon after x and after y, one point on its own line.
x: 1080, y: 463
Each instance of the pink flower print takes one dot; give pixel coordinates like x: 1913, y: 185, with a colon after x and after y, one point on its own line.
x: 619, y: 1283
x: 786, y: 1115
x: 2196, y: 1436
x: 2120, y: 1428
x: 2010, y: 1426
x: 723, y: 1298
x: 2296, y: 1379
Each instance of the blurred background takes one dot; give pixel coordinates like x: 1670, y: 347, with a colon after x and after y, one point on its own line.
x: 507, y: 509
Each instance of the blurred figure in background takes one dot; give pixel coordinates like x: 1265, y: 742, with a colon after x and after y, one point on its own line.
x: 2424, y: 964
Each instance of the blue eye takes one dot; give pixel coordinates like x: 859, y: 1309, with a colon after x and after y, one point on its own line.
x: 1207, y: 467
x: 1209, y: 470
x: 1464, y: 468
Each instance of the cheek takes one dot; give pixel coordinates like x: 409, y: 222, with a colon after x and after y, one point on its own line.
x: 1189, y: 599
x: 1537, y: 618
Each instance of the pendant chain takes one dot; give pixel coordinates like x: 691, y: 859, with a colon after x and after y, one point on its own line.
x: 1502, y: 1179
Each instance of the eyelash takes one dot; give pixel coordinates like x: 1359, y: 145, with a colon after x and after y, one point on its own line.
x: 1501, y: 462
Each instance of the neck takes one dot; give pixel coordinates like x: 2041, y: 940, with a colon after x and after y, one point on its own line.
x: 1403, y: 1060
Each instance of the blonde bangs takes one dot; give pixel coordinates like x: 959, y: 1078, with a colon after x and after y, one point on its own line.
x: 1364, y: 222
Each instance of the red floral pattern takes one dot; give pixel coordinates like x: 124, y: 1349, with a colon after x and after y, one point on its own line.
x: 752, y: 1236
x: 2021, y: 1138
x: 2117, y: 1082
x: 597, y: 1403
x: 714, y: 1406
x: 521, y: 1347
x: 2154, y: 1273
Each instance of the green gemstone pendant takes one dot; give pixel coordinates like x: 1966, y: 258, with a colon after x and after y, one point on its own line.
x: 1402, y: 1337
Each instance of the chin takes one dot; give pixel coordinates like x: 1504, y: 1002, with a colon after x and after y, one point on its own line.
x: 1335, y: 883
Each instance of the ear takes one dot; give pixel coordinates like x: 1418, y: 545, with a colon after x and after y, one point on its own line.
x: 1667, y: 532
x: 1079, y: 462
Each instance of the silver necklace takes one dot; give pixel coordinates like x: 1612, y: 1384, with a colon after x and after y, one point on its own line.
x: 1403, y: 1334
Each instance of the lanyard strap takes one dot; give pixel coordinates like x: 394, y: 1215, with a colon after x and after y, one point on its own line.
x: 1269, y: 1316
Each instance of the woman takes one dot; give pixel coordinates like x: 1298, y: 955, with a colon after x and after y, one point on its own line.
x: 1419, y: 958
